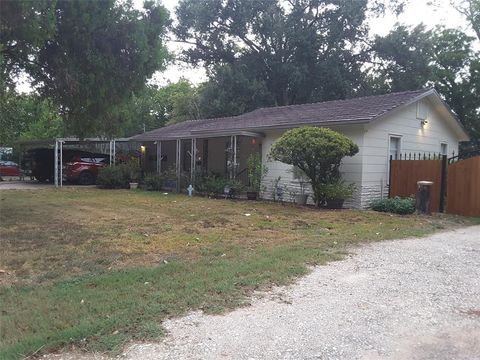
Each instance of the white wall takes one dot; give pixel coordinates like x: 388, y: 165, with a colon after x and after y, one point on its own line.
x: 414, y: 139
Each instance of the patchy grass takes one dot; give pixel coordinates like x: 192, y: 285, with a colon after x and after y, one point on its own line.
x: 96, y: 268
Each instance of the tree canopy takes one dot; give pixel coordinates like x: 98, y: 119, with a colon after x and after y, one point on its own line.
x: 88, y: 56
x: 298, y: 51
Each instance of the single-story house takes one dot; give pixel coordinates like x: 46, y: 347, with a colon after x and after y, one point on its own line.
x: 384, y: 125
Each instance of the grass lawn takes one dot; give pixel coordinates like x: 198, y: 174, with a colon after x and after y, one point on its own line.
x: 96, y: 268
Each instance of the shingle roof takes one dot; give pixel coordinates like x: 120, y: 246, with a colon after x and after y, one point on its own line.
x: 356, y: 110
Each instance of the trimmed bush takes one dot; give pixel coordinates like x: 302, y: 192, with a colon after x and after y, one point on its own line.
x: 119, y: 176
x: 318, y: 152
x: 396, y: 205
x: 154, y: 182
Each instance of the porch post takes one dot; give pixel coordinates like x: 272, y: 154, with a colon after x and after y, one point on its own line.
x: 234, y: 156
x: 110, y: 151
x: 55, y: 163
x: 177, y: 162
x: 192, y: 160
x: 159, y: 156
x: 114, y: 151
x: 61, y: 163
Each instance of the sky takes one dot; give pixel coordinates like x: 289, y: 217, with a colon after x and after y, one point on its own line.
x: 416, y: 12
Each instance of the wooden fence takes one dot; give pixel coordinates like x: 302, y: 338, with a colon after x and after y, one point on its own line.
x: 404, y: 175
x: 455, y: 182
x: 463, y: 187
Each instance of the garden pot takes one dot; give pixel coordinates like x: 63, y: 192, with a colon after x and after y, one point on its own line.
x: 133, y: 185
x: 335, y: 203
x: 301, y: 199
x: 252, y: 195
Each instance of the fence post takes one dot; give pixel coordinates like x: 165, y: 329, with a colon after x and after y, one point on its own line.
x: 443, y: 183
x: 390, y: 177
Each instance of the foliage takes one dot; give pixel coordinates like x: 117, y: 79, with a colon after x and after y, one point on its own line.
x: 318, y: 152
x: 301, y: 177
x: 403, y: 58
x: 27, y: 117
x: 154, y: 107
x: 337, y: 189
x: 256, y: 171
x: 445, y: 58
x: 212, y: 184
x: 231, y: 90
x: 25, y: 26
x: 154, y: 182
x: 289, y: 53
x: 118, y: 176
x: 99, y: 53
x: 396, y: 205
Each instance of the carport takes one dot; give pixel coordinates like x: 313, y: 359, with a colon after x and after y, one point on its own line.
x: 106, y: 146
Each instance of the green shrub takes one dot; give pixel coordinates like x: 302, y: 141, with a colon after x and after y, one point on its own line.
x: 318, y: 152
x: 214, y: 184
x: 154, y: 182
x: 210, y: 184
x: 112, y: 177
x: 118, y: 176
x: 396, y: 205
x: 337, y: 189
x: 256, y: 172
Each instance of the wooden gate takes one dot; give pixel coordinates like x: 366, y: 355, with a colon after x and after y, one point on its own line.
x: 463, y: 187
x: 404, y: 175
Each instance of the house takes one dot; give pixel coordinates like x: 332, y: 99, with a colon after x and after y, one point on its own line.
x: 382, y: 126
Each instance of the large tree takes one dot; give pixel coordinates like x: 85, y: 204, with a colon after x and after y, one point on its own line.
x: 299, y: 51
x: 25, y: 25
x: 99, y: 54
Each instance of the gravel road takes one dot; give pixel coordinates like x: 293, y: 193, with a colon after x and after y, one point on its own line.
x: 403, y: 299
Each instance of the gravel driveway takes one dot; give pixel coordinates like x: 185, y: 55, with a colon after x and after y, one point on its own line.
x: 403, y: 299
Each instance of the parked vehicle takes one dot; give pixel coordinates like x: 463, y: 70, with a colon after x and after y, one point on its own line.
x: 84, y: 169
x: 40, y: 162
x: 9, y: 168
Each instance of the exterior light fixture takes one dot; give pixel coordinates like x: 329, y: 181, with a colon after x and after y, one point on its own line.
x: 423, y: 123
x: 142, y: 149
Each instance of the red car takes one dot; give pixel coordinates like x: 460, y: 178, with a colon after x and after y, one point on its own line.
x: 84, y: 170
x: 9, y: 168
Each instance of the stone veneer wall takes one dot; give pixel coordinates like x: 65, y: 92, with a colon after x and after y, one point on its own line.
x: 291, y: 187
x: 372, y: 192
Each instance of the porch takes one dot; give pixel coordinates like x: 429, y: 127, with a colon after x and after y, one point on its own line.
x: 186, y: 158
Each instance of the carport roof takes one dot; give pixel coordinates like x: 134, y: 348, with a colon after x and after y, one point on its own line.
x: 337, y: 112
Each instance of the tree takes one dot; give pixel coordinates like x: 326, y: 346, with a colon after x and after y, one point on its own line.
x: 25, y: 116
x: 231, y: 90
x: 299, y: 51
x: 155, y: 106
x: 318, y: 152
x: 25, y: 26
x: 100, y: 53
x: 402, y: 58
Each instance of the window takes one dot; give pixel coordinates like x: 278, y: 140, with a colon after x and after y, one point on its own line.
x: 394, y: 147
x: 443, y: 148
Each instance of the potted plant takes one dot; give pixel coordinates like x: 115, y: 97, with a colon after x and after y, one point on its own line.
x: 256, y: 172
x: 133, y: 174
x: 336, y: 192
x: 302, y: 179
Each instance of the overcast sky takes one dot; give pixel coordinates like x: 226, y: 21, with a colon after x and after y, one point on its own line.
x: 416, y: 12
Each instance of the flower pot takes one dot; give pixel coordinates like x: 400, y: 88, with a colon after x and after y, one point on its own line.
x: 301, y: 199
x: 252, y: 195
x: 335, y: 203
x: 133, y: 185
